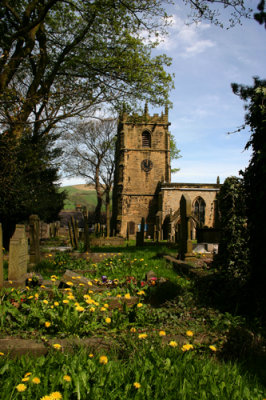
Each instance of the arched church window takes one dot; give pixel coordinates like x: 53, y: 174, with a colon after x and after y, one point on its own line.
x: 146, y: 139
x: 199, y: 210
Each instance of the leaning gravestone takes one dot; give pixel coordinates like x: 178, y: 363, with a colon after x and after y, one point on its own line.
x: 18, y: 255
x: 185, y: 242
x: 1, y: 258
x: 34, y: 239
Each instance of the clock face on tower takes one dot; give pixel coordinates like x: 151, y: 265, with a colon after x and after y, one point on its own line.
x: 146, y: 165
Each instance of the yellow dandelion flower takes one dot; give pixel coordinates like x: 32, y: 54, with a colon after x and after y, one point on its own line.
x: 108, y: 293
x: 173, y: 343
x: 81, y: 284
x: 36, y: 296
x: 71, y: 297
x: 53, y: 279
x: 25, y: 379
x: 90, y: 291
x: 133, y: 330
x: 141, y: 293
x: 80, y: 309
x: 55, y: 396
x: 187, y: 347
x: 67, y: 378
x: 70, y: 283
x: 189, y: 333
x: 89, y: 283
x: 127, y: 296
x: 106, y: 305
x: 92, y: 309
x: 143, y: 335
x: 47, y: 324
x: 27, y: 374
x: 91, y: 355
x: 213, y: 348
x: 21, y: 387
x: 45, y: 398
x: 36, y: 380
x: 103, y: 309
x: 57, y: 346
x: 136, y: 385
x: 139, y: 305
x: 65, y: 301
x: 52, y: 307
x: 56, y: 303
x: 118, y: 295
x: 76, y: 304
x: 96, y: 303
x: 108, y: 320
x: 2, y: 354
x: 30, y: 297
x: 45, y: 302
x: 10, y: 282
x: 162, y: 333
x: 103, y: 360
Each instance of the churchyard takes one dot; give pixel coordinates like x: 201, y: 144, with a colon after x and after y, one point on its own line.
x: 121, y: 322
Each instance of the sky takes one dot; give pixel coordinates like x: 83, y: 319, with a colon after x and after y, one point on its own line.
x: 206, y: 60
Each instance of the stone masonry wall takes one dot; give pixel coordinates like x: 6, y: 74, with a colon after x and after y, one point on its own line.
x: 171, y: 195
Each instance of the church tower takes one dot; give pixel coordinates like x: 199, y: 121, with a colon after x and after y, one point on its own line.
x: 142, y: 163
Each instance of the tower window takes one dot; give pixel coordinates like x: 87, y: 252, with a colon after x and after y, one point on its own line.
x: 146, y: 139
x: 199, y: 210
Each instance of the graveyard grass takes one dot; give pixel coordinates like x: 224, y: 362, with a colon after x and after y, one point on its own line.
x: 162, y: 343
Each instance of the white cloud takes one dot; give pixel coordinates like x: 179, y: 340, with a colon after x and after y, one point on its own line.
x: 189, y: 39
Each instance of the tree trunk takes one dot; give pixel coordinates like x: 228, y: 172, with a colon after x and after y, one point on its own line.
x: 107, y: 203
x: 99, y: 194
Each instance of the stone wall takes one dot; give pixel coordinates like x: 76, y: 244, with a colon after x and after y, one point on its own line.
x: 171, y: 195
x: 139, y: 169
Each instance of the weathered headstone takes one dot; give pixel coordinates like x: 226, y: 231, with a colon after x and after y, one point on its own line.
x: 140, y: 235
x: 185, y: 242
x: 1, y: 258
x: 34, y: 239
x: 18, y: 254
x: 86, y: 230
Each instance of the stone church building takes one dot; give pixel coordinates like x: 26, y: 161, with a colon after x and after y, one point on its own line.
x: 142, y: 184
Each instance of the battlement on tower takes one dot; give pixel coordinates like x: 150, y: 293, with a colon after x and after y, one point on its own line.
x: 145, y: 118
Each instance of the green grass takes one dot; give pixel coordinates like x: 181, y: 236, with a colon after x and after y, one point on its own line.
x: 163, y: 371
x: 77, y: 196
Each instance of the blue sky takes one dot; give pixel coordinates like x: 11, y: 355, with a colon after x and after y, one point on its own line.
x: 206, y: 60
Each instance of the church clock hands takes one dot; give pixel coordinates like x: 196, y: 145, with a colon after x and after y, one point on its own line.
x: 146, y: 165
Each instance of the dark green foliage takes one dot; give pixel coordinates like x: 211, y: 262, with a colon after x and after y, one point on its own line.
x: 28, y: 180
x: 254, y: 181
x: 233, y: 256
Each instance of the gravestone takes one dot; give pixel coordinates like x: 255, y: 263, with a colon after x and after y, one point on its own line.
x: 86, y: 230
x: 18, y: 255
x: 140, y: 235
x: 1, y: 258
x: 185, y: 242
x: 34, y: 240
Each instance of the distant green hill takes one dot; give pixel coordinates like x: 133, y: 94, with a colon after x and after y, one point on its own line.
x: 83, y: 195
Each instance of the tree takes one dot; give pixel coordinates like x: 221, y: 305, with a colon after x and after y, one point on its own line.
x: 90, y: 154
x: 233, y: 257
x: 28, y: 181
x: 254, y: 181
x: 60, y: 59
x: 174, y: 152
